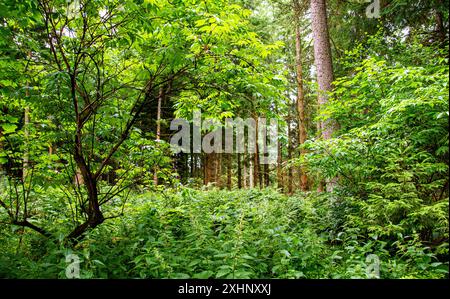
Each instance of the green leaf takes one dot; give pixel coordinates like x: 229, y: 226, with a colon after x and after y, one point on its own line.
x: 203, y: 275
x: 8, y: 128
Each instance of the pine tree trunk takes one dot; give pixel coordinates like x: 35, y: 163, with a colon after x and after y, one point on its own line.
x: 324, y: 66
x: 300, y: 92
x: 322, y: 58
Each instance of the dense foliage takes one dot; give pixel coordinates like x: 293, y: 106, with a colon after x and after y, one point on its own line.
x: 221, y: 234
x: 360, y: 186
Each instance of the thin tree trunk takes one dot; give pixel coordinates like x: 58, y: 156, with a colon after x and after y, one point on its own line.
x: 279, y: 163
x: 1, y: 149
x: 195, y: 165
x: 300, y: 92
x: 158, y: 130
x: 245, y: 161
x: 26, y: 133
x: 256, y: 171
x: 266, y: 175
x: 94, y: 214
x: 219, y: 170
x: 251, y: 177
x: 209, y: 168
x: 229, y: 169
x: 192, y: 165
x: 239, y: 170
x: 290, y: 176
x: 205, y: 169
x: 266, y: 168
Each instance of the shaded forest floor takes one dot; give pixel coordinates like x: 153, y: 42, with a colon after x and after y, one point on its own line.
x: 225, y: 234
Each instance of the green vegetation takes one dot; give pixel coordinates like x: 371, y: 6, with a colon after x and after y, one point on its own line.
x: 222, y: 234
x: 360, y: 186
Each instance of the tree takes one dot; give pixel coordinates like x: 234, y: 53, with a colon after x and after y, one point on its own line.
x: 322, y: 58
x: 302, y: 136
x: 323, y: 63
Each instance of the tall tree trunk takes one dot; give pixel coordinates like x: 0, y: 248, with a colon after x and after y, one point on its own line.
x: 300, y: 92
x: 322, y: 58
x: 324, y: 65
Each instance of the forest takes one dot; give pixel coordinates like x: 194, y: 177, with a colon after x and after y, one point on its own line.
x: 224, y: 139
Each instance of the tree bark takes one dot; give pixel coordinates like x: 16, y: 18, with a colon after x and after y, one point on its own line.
x: 229, y: 171
x: 26, y: 133
x: 290, y: 176
x: 219, y: 170
x: 205, y: 169
x: 256, y: 170
x: 300, y: 92
x: 280, y: 184
x: 440, y: 25
x: 266, y: 175
x: 239, y: 170
x: 324, y: 66
x: 266, y: 168
x: 322, y: 58
x: 244, y: 162
x: 94, y: 214
x: 251, y: 177
x: 212, y: 169
x: 158, y: 130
